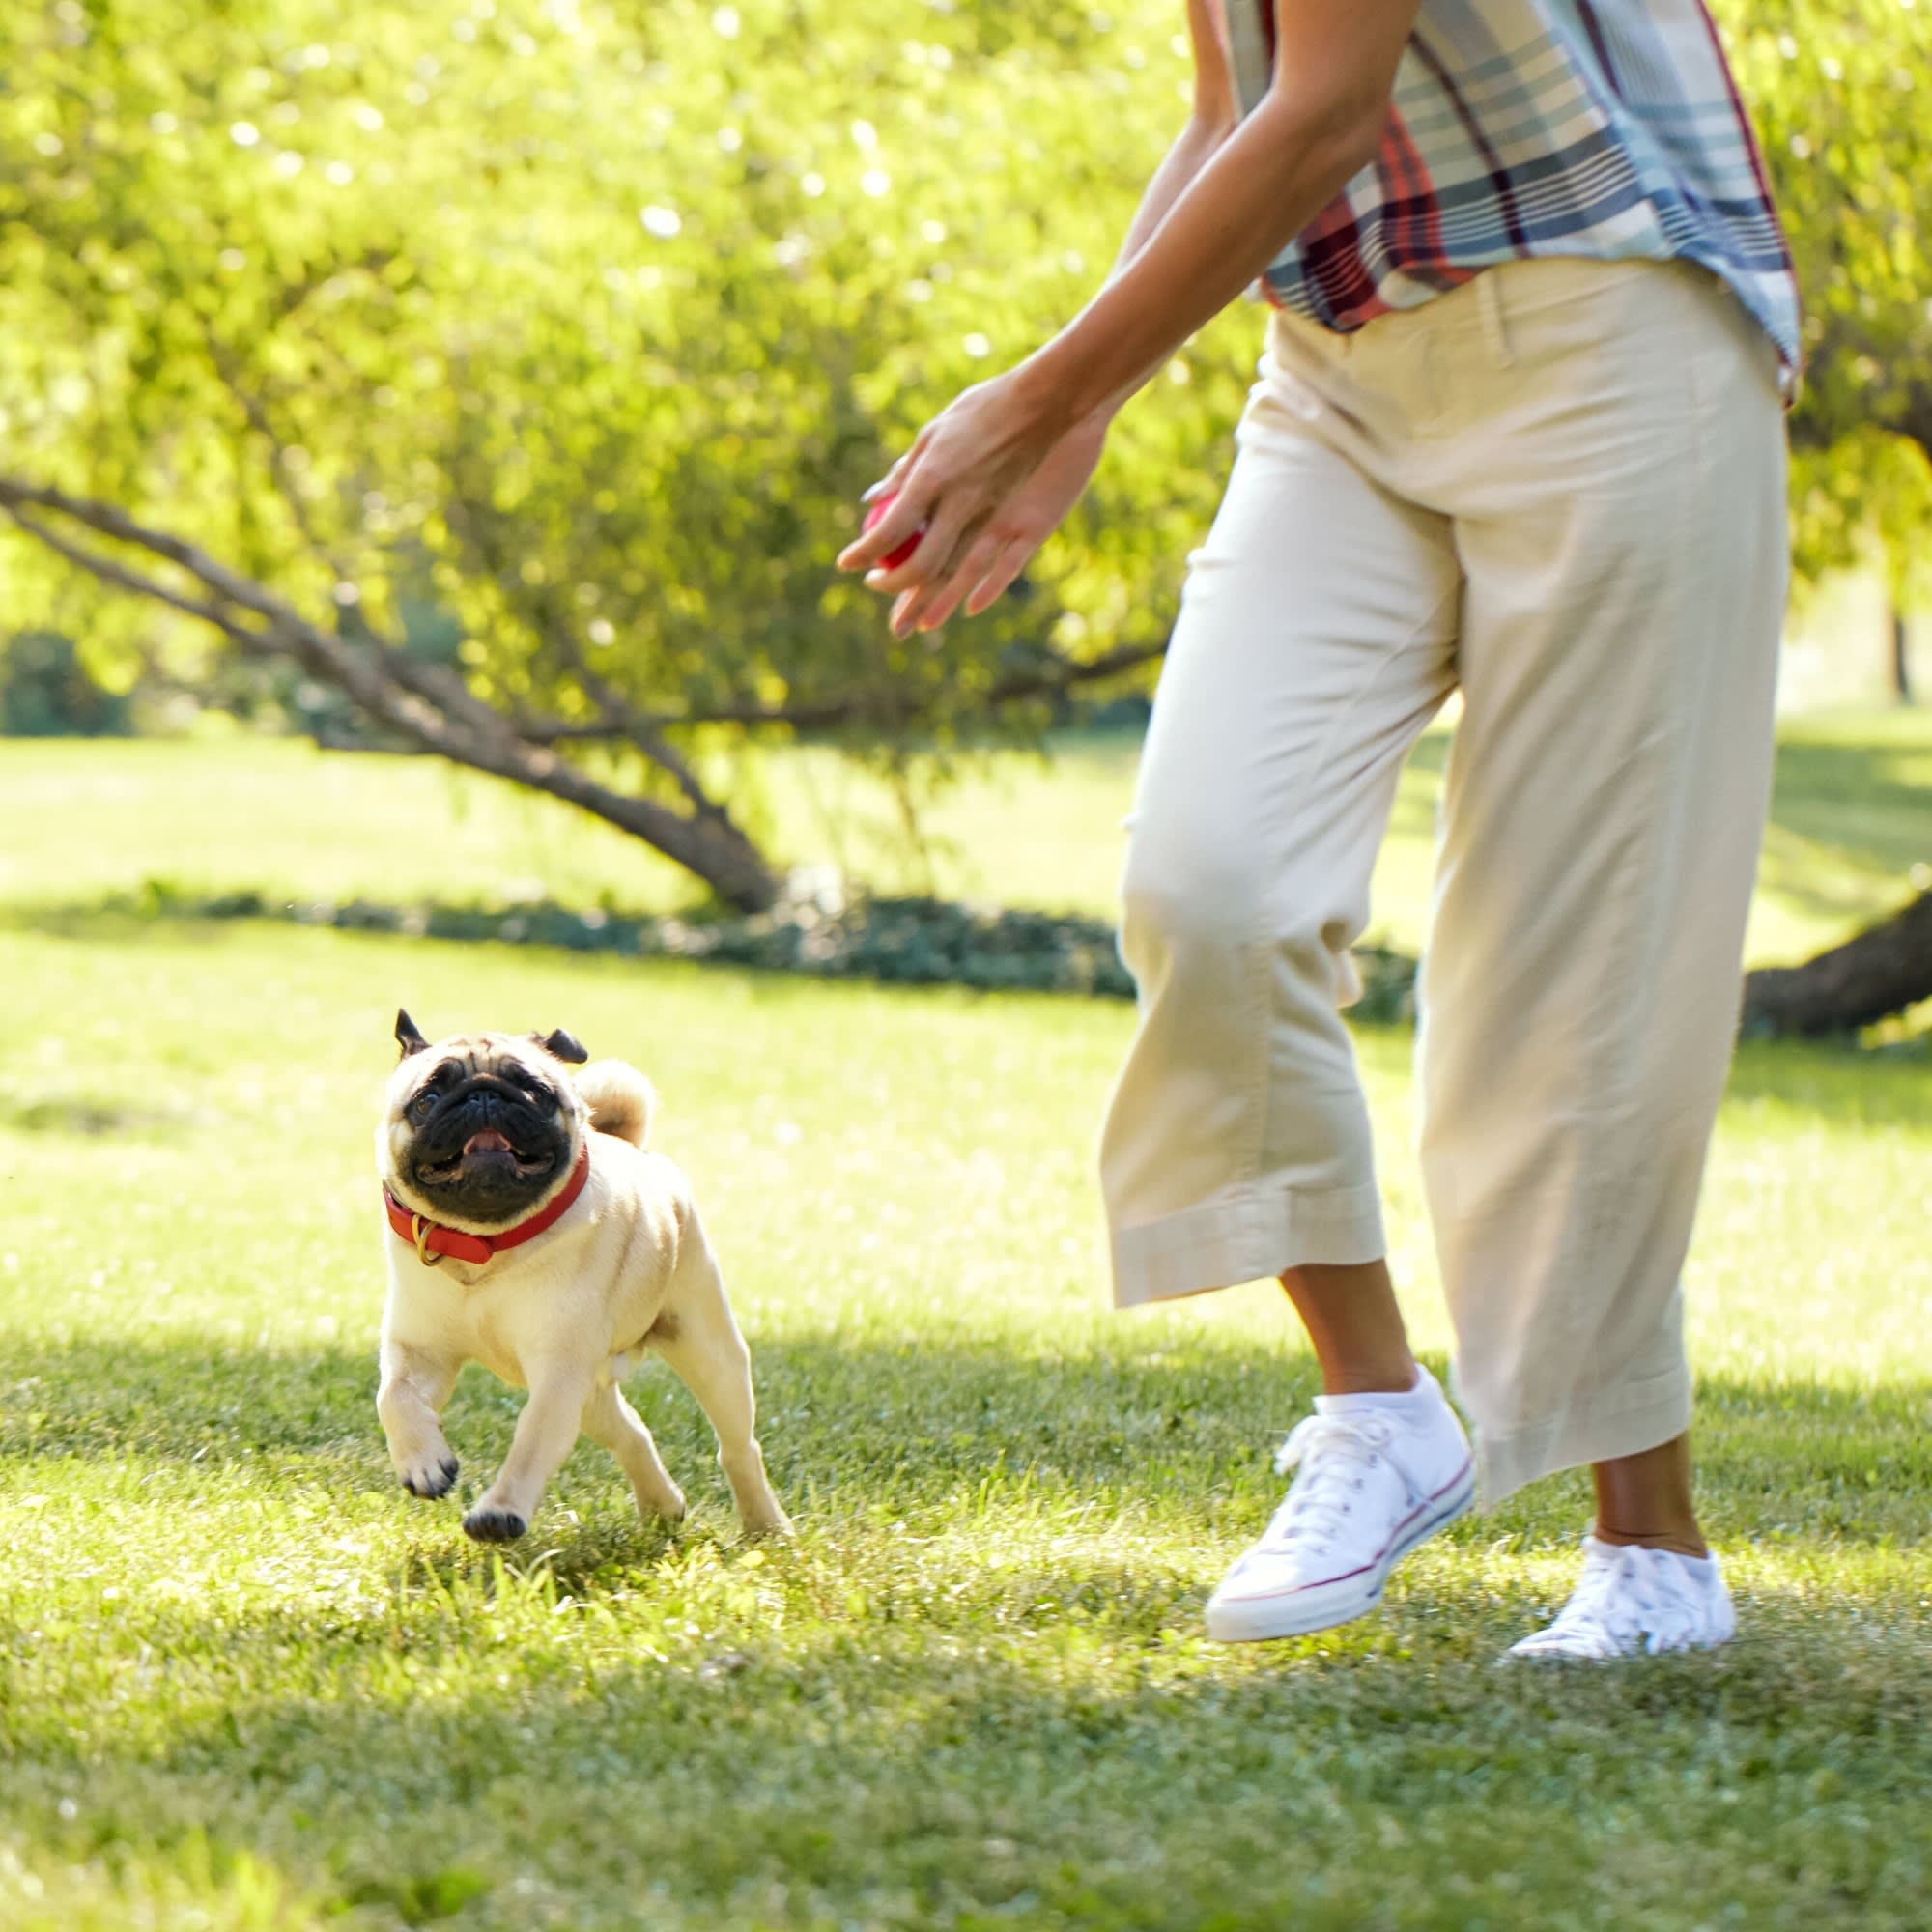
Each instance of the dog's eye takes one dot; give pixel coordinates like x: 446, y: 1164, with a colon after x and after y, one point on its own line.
x: 422, y: 1106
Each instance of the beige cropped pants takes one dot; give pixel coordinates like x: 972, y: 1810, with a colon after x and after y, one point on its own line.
x: 1560, y: 488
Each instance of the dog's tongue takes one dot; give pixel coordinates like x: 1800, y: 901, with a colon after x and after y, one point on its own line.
x: 489, y: 1141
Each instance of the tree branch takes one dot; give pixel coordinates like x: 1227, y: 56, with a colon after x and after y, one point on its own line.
x: 1062, y: 674
x: 629, y: 727
x: 131, y: 581
x: 435, y: 683
x: 281, y: 469
x: 647, y: 738
x: 475, y: 735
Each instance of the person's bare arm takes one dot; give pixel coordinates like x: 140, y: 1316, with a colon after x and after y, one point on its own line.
x: 999, y: 552
x: 1212, y: 115
x: 1322, y: 121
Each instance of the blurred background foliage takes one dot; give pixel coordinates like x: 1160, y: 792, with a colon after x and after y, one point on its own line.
x: 1841, y: 93
x: 555, y: 340
x: 590, y: 323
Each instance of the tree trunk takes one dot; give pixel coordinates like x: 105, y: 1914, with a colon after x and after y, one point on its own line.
x: 707, y: 843
x: 1876, y: 974
x: 1901, y: 658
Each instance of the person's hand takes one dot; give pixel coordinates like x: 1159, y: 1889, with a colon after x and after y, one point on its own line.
x: 1011, y: 536
x: 989, y: 482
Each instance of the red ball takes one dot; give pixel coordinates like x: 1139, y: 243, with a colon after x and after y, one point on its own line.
x: 892, y: 558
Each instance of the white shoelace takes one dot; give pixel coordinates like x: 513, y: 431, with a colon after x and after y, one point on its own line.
x: 1619, y: 1600
x: 1335, y: 1454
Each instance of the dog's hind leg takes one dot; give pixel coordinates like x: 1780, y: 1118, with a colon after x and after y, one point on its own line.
x: 608, y: 1419
x: 697, y: 1335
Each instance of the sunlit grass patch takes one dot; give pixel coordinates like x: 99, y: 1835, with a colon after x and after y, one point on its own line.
x: 1852, y: 816
x: 246, y: 1681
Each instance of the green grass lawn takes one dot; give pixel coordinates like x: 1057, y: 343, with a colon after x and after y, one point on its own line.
x: 246, y: 1681
x: 1852, y: 815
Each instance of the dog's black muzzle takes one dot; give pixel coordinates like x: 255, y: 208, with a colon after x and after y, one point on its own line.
x: 525, y: 1144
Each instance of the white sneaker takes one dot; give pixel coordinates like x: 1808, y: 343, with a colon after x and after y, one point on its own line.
x: 1377, y: 1476
x: 1631, y: 1599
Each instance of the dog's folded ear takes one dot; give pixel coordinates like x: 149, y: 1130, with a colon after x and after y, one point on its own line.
x: 561, y: 1045
x: 408, y: 1036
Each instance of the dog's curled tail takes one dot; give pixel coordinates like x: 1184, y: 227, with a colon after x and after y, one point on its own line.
x: 620, y: 1100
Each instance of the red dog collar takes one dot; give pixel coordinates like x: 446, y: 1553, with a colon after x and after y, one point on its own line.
x: 432, y: 1241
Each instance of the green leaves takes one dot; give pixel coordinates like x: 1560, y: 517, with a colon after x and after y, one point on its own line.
x: 1840, y: 92
x: 590, y: 322
x: 595, y: 323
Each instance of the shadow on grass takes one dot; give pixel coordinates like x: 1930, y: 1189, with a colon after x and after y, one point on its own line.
x: 1855, y: 803
x: 1856, y: 800
x: 993, y: 1732
x: 1005, y: 1777
x: 932, y: 1428
x: 110, y: 925
x: 1871, y: 1087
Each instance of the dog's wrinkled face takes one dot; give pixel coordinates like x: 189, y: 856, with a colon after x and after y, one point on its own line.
x: 480, y: 1129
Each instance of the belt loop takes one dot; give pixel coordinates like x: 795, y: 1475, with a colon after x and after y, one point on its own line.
x: 1495, y: 327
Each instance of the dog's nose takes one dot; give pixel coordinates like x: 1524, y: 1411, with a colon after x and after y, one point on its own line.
x: 485, y: 1089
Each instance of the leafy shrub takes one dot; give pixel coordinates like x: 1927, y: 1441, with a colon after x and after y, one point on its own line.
x: 906, y: 941
x: 47, y: 691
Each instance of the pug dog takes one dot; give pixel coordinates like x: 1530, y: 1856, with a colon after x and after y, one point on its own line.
x: 530, y: 1229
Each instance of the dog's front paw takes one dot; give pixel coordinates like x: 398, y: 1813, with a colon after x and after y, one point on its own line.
x: 429, y: 1476
x: 494, y: 1526
x: 661, y: 1502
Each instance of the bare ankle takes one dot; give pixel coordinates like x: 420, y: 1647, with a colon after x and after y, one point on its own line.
x: 1354, y: 1326
x: 1680, y: 1542
x: 1378, y: 1379
x: 1645, y: 1500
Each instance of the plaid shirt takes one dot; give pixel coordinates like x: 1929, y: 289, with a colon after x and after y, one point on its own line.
x: 1601, y: 128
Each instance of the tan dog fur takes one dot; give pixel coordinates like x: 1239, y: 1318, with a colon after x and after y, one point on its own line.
x: 627, y: 1267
